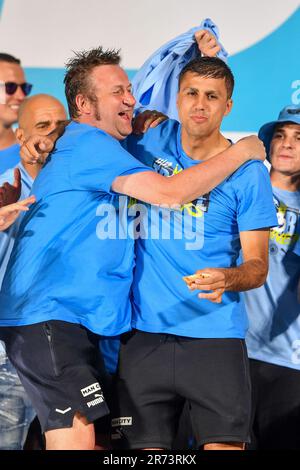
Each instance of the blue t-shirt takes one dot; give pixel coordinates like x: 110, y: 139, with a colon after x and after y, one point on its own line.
x: 204, y: 233
x: 63, y: 265
x: 8, y: 236
x: 274, y: 308
x: 9, y: 157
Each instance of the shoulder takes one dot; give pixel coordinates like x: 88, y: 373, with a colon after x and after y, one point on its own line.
x: 82, y: 137
x: 250, y: 171
x: 165, y: 130
x: 12, y: 150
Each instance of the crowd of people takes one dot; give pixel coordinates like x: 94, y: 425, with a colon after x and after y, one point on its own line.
x: 154, y: 277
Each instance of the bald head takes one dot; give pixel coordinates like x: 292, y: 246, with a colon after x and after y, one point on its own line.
x: 39, y: 114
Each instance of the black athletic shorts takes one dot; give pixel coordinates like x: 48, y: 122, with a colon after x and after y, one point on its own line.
x: 159, y: 372
x: 276, y: 406
x: 61, y: 369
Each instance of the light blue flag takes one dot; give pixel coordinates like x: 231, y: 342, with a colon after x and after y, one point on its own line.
x: 155, y: 84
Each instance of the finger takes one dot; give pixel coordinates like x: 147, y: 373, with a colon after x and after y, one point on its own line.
x: 158, y: 121
x: 212, y: 286
x: 202, y: 37
x: 200, y: 34
x: 212, y: 52
x: 28, y: 200
x: 17, y: 178
x: 214, y: 278
x: 146, y: 123
x: 213, y: 296
x: 31, y: 152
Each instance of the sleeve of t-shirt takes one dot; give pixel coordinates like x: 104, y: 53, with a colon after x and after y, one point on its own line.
x: 98, y: 159
x: 255, y: 205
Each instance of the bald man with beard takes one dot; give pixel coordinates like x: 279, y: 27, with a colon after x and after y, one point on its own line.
x: 39, y: 114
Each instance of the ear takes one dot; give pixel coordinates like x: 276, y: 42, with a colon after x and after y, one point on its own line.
x: 83, y: 104
x: 19, y: 133
x: 229, y: 105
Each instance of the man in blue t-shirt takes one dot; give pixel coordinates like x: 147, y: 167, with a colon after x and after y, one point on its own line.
x: 273, y: 339
x: 186, y: 348
x: 71, y: 269
x: 13, y: 90
x: 40, y: 113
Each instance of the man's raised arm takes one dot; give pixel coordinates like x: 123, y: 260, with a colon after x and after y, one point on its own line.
x: 193, y: 182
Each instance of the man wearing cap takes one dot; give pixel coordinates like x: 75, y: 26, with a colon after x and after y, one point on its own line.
x: 273, y: 339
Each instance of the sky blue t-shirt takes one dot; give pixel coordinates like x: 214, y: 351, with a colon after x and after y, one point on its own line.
x: 9, y: 157
x: 63, y: 266
x: 203, y: 234
x: 274, y: 308
x: 7, y: 237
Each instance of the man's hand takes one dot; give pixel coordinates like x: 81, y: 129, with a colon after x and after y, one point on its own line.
x: 147, y: 119
x: 209, y: 279
x: 9, y: 214
x: 36, y: 149
x: 10, y: 193
x: 207, y: 43
x: 251, y: 148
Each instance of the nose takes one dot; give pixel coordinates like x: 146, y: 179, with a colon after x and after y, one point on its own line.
x: 287, y: 142
x: 200, y: 103
x: 129, y: 99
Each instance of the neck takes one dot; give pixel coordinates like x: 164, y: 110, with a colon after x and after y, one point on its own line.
x: 286, y: 182
x: 7, y: 137
x: 203, y: 147
x: 32, y: 170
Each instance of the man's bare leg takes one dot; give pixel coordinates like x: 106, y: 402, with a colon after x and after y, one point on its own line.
x: 81, y: 436
x: 225, y: 446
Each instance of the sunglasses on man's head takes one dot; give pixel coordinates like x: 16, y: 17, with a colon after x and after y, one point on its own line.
x: 11, y: 87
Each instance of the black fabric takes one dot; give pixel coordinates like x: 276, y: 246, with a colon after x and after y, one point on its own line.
x: 158, y: 373
x: 61, y: 369
x: 276, y: 406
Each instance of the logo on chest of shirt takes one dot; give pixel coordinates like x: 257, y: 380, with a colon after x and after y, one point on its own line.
x: 286, y: 231
x: 163, y: 167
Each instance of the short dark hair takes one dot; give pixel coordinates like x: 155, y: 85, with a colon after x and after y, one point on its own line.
x: 78, y: 71
x: 210, y: 67
x: 9, y: 58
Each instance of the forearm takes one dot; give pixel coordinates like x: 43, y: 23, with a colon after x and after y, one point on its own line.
x: 249, y: 275
x: 202, y: 178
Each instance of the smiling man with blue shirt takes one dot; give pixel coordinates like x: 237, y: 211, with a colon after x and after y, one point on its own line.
x: 65, y: 283
x: 13, y: 90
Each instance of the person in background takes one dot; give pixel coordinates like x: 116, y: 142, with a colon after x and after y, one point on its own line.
x: 38, y: 114
x: 13, y: 90
x: 273, y: 338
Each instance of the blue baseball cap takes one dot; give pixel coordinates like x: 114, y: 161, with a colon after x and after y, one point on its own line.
x: 288, y: 114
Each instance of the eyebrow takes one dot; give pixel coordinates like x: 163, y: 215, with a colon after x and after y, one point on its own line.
x: 47, y: 123
x: 282, y: 129
x: 208, y: 92
x: 121, y: 87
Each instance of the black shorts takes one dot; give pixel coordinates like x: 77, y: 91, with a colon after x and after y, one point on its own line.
x: 61, y: 369
x: 159, y: 372
x: 276, y: 406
